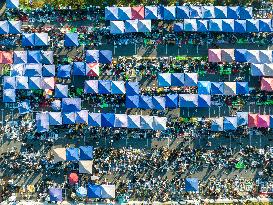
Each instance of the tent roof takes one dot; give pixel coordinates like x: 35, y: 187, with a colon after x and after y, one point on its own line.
x: 204, y: 100
x: 252, y: 120
x: 230, y: 123
x: 245, y: 13
x: 134, y: 121
x: 240, y: 55
x: 15, y: 27
x: 55, y: 194
x: 71, y: 39
x: 19, y: 57
x: 240, y: 26
x: 191, y: 184
x: 242, y: 118
x: 34, y: 83
x: 121, y: 120
x: 42, y: 121
x: 55, y: 118
x: 47, y: 57
x: 233, y: 12
x: 9, y: 95
x: 144, y: 26
x: 47, y: 83
x: 61, y: 91
x: 34, y: 56
x: 131, y: 26
x: 216, y: 25
x: 92, y: 69
x: 145, y: 102
x: 92, y: 56
x: 182, y: 12
x: 228, y: 25
x: 217, y: 88
x: 178, y: 27
x: 9, y: 82
x: 33, y: 69
x: 188, y: 100
x: 105, y: 56
x: 220, y: 12
x: 242, y: 88
x: 108, y: 191
x: 21, y: 82
x: 217, y: 124
x: 6, y: 57
x: 164, y: 79
x: 107, y: 120
x: 227, y: 55
x: 257, y: 69
x: 69, y: 118
x: 48, y: 70
x: 93, y: 191
x: 137, y: 12
x: 195, y: 11
x: 111, y: 13
x: 94, y: 119
x: 151, y: 12
x: 263, y: 121
x: 82, y: 117
x: 191, y: 79
x: 132, y: 88
x: 132, y: 101
x: 118, y: 87
x: 208, y: 12
x: 24, y: 107
x: 252, y: 25
x: 124, y: 13
x: 171, y: 100
x: 169, y: 13
x: 28, y: 39
x: 91, y: 86
x: 267, y: 84
x: 64, y: 71
x: 190, y: 25
x: 117, y: 27
x: 104, y: 86
x: 160, y: 123
x: 79, y: 68
x: 59, y: 154
x: 71, y: 104
x: 146, y: 122
x: 159, y: 102
x: 72, y: 154
x: 4, y: 27
x: 229, y: 88
x: 41, y: 39
x: 204, y: 87
x: 17, y: 70
x: 85, y: 166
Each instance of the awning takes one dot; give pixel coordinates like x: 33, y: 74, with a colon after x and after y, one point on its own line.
x: 107, y: 120
x: 164, y: 79
x: 91, y: 86
x: 111, y: 13
x: 118, y: 87
x: 169, y: 13
x: 171, y: 100
x: 182, y: 12
x: 132, y: 101
x: 215, y: 55
x: 117, y: 27
x: 204, y: 100
x: 230, y: 123
x: 71, y: 39
x: 9, y: 95
x: 64, y: 71
x: 204, y: 87
x: 104, y: 87
x: 9, y: 82
x: 227, y: 55
x: 229, y: 88
x: 242, y: 118
x: 33, y: 70
x: 124, y: 13
x: 72, y: 154
x: 21, y: 82
x: 217, y: 124
x: 28, y: 39
x: 263, y: 121
x: 191, y: 185
x: 93, y: 69
x: 34, y: 56
x: 71, y: 104
x: 69, y: 118
x: 137, y: 12
x: 41, y: 39
x: 145, y: 102
x: 191, y: 79
x: 82, y: 117
x: 132, y: 88
x: 34, y: 83
x: 159, y: 102
x: 94, y: 119
x: 47, y: 57
x: 79, y: 68
x: 131, y: 26
x: 188, y: 100
x: 134, y: 121
x: 19, y: 57
x: 92, y: 56
x: 242, y: 88
x: 48, y: 70
x: 146, y: 122
x: 55, y: 118
x: 121, y: 120
x: 160, y: 123
x: 252, y: 120
x: 151, y: 12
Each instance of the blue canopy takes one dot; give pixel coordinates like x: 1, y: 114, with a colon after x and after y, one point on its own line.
x: 191, y: 79
x: 178, y: 27
x: 182, y: 12
x: 144, y: 26
x: 266, y: 56
x: 69, y: 118
x: 239, y: 26
x: 9, y: 82
x: 15, y: 27
x: 159, y: 102
x: 105, y: 56
x: 56, y: 105
x: 230, y: 123
x: 228, y: 25
x: 252, y: 25
x: 195, y: 12
x: 233, y: 12
x: 208, y: 12
x: 217, y: 88
x: 71, y: 39
x: 42, y: 122
x: 132, y: 88
x: 48, y: 70
x: 79, y: 68
x: 124, y: 13
x: 242, y: 88
x: 257, y: 70
x: 242, y: 118
x: 17, y: 70
x: 204, y: 87
x: 55, y: 118
x: 21, y: 82
x: 47, y: 83
x: 118, y: 87
x: 151, y: 12
x: 72, y: 154
x: 34, y: 56
x: 61, y: 91
x: 132, y: 101
x: 71, y: 104
x: 131, y: 26
x: 146, y: 122
x: 47, y: 57
x: 55, y: 194
x: 191, y: 184
x: 133, y: 121
x: 34, y: 83
x: 217, y: 124
x: 117, y: 27
x: 215, y: 25
x: 104, y: 87
x: 159, y: 123
x: 12, y: 4
x: 19, y: 57
x: 86, y: 152
x: 111, y: 13
x: 93, y: 191
x: 220, y: 12
x: 82, y: 117
x: 202, y: 25
x: 204, y: 100
x: 265, y: 25
x: 171, y: 100
x: 24, y: 107
x: 188, y: 100
x: 240, y: 55
x: 253, y: 56
x: 107, y: 119
x: 190, y: 25
x: 121, y: 120
x: 94, y: 119
x: 245, y: 13
x: 169, y: 13
x: 177, y: 79
x: 108, y: 191
x: 28, y: 39
x: 41, y: 39
x: 4, y: 27
x: 33, y: 69
x: 64, y: 71
x: 9, y: 95
x: 92, y: 56
x: 164, y: 79
x: 91, y: 86
x: 145, y: 102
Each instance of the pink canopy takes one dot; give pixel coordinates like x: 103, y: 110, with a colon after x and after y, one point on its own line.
x: 267, y: 84
x: 227, y: 55
x: 215, y: 55
x: 138, y: 12
x: 6, y: 57
x: 252, y: 120
x: 263, y: 121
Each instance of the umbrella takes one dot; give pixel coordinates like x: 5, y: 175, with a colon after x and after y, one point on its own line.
x: 34, y: 83
x: 94, y: 119
x: 117, y: 27
x: 73, y: 178
x: 134, y: 121
x: 118, y: 87
x: 55, y: 194
x: 61, y: 91
x: 132, y: 88
x: 72, y: 154
x: 91, y: 86
x: 86, y: 152
x: 71, y: 104
x: 164, y: 79
x: 48, y: 70
x: 28, y: 39
x: 81, y: 192
x: 71, y: 39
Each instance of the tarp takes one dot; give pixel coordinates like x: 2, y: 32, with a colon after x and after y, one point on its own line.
x: 59, y: 154
x: 217, y: 88
x: 41, y: 39
x: 265, y: 56
x: 164, y: 79
x: 61, y: 91
x: 239, y: 26
x: 104, y: 87
x: 121, y: 120
x: 215, y: 55
x: 229, y: 88
x: 217, y: 124
x: 215, y: 25
x: 82, y: 117
x: 105, y: 56
x: 94, y: 119
x: 92, y: 56
x: 24, y: 107
x: 55, y: 194
x: 107, y: 119
x: 4, y: 27
x: 132, y: 101
x: 131, y: 26
x: 48, y: 70
x: 151, y: 12
x: 21, y: 82
x: 33, y: 70
x: 169, y: 13
x: 178, y: 27
x: 118, y: 87
x: 242, y: 88
x: 34, y: 56
x: 191, y: 185
x: 242, y: 118
x: 220, y: 12
x: 208, y: 12
x: 267, y: 84
x: 240, y: 55
x: 202, y: 25
x: 144, y: 26
x: 190, y: 25
x: 233, y: 12
x: 72, y: 154
x: 81, y: 191
x: 245, y: 13
x: 85, y: 166
x: 182, y: 12
x: 47, y: 83
x: 93, y: 191
x: 171, y: 100
x: 91, y: 86
x: 9, y: 95
x: 195, y: 11
x: 137, y: 12
x: 79, y: 68
x: 93, y: 69
x: 12, y: 4
x: 191, y: 79
x: 111, y: 13
x: 263, y: 121
x: 204, y: 100
x: 265, y: 25
x: 268, y: 69
x: 19, y: 57
x: 227, y: 55
x: 117, y: 27
x: 64, y: 71
x: 160, y: 123
x: 252, y: 25
x: 146, y: 122
x: 55, y: 118
x: 124, y: 13
x: 134, y: 121
x: 252, y: 120
x: 159, y: 102
x: 228, y: 25
x: 257, y: 70
x: 188, y: 100
x: 69, y: 118
x: 204, y: 87
x: 71, y: 39
x: 132, y: 88
x: 108, y: 191
x: 177, y: 79
x: 15, y: 27
x: 42, y: 122
x: 71, y: 104
x: 47, y: 57
x: 17, y: 70
x: 9, y: 82
x: 145, y: 102
x: 230, y: 123
x: 28, y: 39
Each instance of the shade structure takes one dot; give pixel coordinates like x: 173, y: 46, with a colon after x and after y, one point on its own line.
x: 12, y: 4
x: 182, y: 12
x: 6, y: 57
x: 217, y: 124
x: 171, y: 100
x: 190, y: 25
x: 133, y: 121
x: 229, y: 88
x: 72, y: 154
x: 132, y: 101
x: 47, y: 83
x: 169, y: 13
x: 242, y: 88
x: 188, y: 100
x: 47, y: 57
x: 33, y: 69
x: 204, y: 87
x: 124, y: 13
x: 146, y: 122
x: 92, y: 56
x: 215, y: 25
x: 59, y: 154
x: 15, y: 27
x: 195, y: 11
x: 40, y: 39
x: 131, y: 26
x: 245, y: 13
x: 17, y: 70
x: 69, y: 118
x: 42, y: 122
x: 108, y: 191
x: 233, y: 12
x: 118, y: 87
x: 252, y: 120
x: 252, y: 25
x: 121, y: 120
x: 79, y: 68
x: 91, y: 86
x: 4, y: 27
x: 19, y: 57
x: 24, y: 107
x: 164, y: 79
x: 208, y: 12
x: 55, y: 118
x: 267, y: 84
x: 64, y: 71
x: 151, y: 12
x: 240, y: 55
x: 21, y: 82
x: 265, y: 56
x: 9, y: 82
x: 93, y: 191
x: 204, y: 100
x: 220, y: 12
x: 71, y: 39
x: 34, y: 56
x: 239, y: 26
x: 71, y: 104
x: 9, y: 95
x: 28, y: 39
x: 191, y: 79
x: 117, y: 27
x: 111, y: 13
x: 268, y: 69
x: 177, y: 79
x: 132, y: 88
x: 160, y: 123
x: 227, y: 55
x: 82, y: 117
x: 228, y: 25
x: 105, y: 56
x: 73, y: 178
x: 104, y: 87
x: 178, y: 27
x: 56, y: 105
x: 94, y: 119
x: 202, y: 25
x: 61, y: 91
x: 81, y: 192
x: 191, y: 185
x: 107, y: 120
x: 265, y: 25
x: 34, y: 83
x: 145, y: 102
x: 93, y: 69
x: 55, y: 194
x: 159, y: 102
x: 144, y: 26
x: 242, y: 118
x: 85, y: 166
x: 48, y: 70
x: 215, y: 55
x: 257, y: 70
x: 263, y: 121
x: 137, y: 12
x: 230, y: 123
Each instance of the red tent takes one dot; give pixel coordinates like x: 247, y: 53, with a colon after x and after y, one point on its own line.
x: 6, y: 57
x: 252, y: 120
x: 263, y: 121
x: 138, y: 12
x: 267, y: 84
x: 73, y: 178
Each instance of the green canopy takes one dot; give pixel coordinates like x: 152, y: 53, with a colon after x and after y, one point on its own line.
x: 240, y: 165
